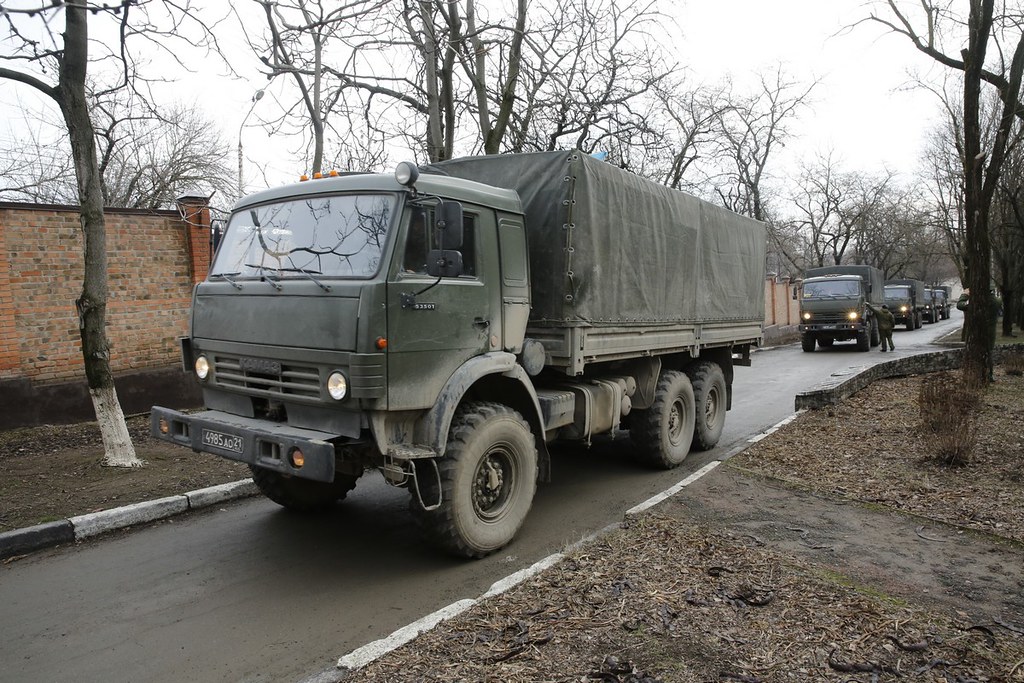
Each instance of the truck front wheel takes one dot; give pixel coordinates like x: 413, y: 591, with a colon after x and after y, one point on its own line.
x: 864, y: 340
x: 709, y: 395
x: 302, y: 495
x: 488, y: 477
x: 664, y: 432
x: 807, y: 342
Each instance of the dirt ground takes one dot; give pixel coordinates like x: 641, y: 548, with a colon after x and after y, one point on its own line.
x: 836, y: 549
x: 54, y: 472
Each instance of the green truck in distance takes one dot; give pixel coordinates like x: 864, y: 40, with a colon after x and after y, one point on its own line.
x: 832, y: 306
x: 941, y: 303
x: 446, y: 325
x: 905, y: 298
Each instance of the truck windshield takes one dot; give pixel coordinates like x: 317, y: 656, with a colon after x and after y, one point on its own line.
x: 831, y: 289
x: 896, y: 292
x: 333, y: 236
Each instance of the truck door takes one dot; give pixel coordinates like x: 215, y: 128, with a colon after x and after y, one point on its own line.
x: 437, y: 324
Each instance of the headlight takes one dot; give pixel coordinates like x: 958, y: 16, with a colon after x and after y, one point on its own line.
x: 406, y: 173
x: 337, y: 386
x: 853, y: 315
x: 807, y: 316
x: 904, y: 309
x: 202, y: 367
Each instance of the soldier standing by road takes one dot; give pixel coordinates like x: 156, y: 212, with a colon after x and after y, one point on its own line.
x: 886, y: 322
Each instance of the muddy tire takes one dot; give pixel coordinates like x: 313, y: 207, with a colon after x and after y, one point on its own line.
x: 863, y: 340
x: 488, y: 477
x: 710, y: 398
x: 807, y: 342
x: 302, y: 495
x: 663, y: 433
x: 876, y: 336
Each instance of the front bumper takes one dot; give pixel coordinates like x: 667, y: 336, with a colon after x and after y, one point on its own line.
x: 256, y: 442
x: 851, y: 328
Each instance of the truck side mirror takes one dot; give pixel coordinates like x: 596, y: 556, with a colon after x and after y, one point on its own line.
x: 795, y: 291
x: 449, y: 225
x: 446, y: 263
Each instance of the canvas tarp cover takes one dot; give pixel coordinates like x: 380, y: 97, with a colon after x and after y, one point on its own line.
x: 608, y: 247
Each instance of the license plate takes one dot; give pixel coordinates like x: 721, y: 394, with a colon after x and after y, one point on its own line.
x: 228, y: 442
x: 828, y: 327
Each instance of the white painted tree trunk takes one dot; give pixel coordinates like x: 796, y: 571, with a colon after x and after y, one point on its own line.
x: 117, y: 443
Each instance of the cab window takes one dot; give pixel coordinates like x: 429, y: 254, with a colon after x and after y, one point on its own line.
x: 420, y: 239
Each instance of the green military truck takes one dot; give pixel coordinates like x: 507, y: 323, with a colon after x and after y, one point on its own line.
x: 942, y: 299
x: 833, y: 306
x: 446, y: 325
x: 933, y: 304
x: 905, y: 298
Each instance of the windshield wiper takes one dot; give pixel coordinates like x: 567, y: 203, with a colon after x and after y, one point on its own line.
x: 227, y: 277
x: 308, y: 274
x: 275, y: 280
x: 263, y: 276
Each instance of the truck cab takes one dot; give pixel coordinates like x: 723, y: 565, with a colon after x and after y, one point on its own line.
x: 832, y: 309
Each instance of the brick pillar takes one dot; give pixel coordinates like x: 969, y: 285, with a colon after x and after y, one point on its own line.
x: 195, y: 214
x: 10, y: 354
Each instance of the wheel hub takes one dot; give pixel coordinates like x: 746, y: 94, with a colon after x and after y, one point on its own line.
x: 488, y: 490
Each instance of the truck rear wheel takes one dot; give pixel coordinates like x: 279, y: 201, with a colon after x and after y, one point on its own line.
x: 807, y: 342
x: 709, y: 395
x: 664, y: 432
x: 488, y: 477
x: 302, y: 495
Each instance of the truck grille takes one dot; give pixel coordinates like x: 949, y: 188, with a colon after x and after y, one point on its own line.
x: 267, y: 378
x: 828, y: 318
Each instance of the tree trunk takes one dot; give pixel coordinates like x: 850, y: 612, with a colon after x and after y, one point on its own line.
x: 980, y: 333
x: 92, y: 305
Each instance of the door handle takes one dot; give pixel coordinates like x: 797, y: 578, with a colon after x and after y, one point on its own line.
x: 481, y: 323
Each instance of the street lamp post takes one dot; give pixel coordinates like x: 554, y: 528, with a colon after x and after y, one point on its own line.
x: 241, y: 183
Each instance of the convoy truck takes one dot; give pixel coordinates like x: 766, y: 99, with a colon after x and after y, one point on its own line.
x: 833, y: 306
x: 447, y: 325
x: 933, y: 304
x: 905, y: 298
x: 942, y: 298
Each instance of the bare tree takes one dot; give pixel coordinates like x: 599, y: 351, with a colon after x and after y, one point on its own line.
x: 147, y: 157
x: 752, y: 129
x: 57, y: 66
x: 982, y: 164
x: 299, y: 37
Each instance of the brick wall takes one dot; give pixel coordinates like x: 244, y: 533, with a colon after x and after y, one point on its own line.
x: 154, y: 258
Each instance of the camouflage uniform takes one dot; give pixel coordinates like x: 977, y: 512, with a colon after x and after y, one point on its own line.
x: 886, y: 323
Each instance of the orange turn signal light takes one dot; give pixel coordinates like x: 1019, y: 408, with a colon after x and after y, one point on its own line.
x: 382, y: 343
x: 296, y: 458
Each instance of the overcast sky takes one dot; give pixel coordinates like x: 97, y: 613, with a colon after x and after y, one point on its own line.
x: 863, y: 108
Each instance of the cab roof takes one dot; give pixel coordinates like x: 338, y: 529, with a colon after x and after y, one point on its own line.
x: 446, y: 187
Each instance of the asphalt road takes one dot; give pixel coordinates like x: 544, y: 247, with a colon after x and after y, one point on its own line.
x: 249, y: 592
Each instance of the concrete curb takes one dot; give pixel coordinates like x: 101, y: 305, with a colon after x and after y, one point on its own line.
x: 845, y: 383
x: 85, y: 526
